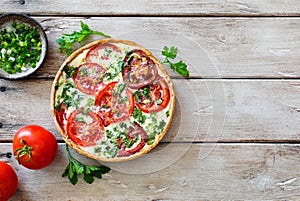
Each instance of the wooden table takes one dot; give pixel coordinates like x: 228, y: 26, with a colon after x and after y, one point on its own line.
x: 237, y: 122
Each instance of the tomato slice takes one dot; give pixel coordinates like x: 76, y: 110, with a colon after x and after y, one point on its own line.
x: 60, y: 114
x: 84, y: 128
x: 154, y: 97
x: 89, y: 77
x: 102, y: 53
x: 133, y: 132
x: 138, y: 70
x: 113, y: 105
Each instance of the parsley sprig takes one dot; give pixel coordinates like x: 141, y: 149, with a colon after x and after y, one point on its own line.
x: 76, y: 168
x: 170, y: 54
x: 67, y: 40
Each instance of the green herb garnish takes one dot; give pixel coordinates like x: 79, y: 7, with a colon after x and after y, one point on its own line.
x: 114, y: 69
x: 129, y: 142
x: 118, y: 90
x: 138, y: 115
x: 70, y: 71
x: 67, y: 40
x: 171, y: 53
x: 76, y: 168
x: 20, y: 48
x: 71, y: 98
x: 146, y: 91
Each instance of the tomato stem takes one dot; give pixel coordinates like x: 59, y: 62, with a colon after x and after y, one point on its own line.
x: 22, y: 151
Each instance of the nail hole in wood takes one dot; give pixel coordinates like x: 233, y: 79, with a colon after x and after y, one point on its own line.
x: 2, y: 89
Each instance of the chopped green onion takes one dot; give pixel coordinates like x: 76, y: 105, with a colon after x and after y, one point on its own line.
x: 20, y: 48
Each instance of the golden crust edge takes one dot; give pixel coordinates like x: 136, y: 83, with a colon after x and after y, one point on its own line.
x: 166, y: 77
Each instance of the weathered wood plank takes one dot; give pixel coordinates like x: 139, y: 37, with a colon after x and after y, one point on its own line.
x: 229, y: 172
x: 153, y: 7
x: 212, y: 47
x: 207, y: 110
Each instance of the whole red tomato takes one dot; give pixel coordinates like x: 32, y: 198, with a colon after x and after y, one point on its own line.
x: 8, y: 181
x: 34, y: 147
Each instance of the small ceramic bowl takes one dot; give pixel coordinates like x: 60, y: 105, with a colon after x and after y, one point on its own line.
x: 7, y: 20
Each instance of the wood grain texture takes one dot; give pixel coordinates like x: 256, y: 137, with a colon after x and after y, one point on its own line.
x: 212, y: 47
x: 229, y: 172
x: 212, y: 110
x: 235, y: 133
x: 154, y: 7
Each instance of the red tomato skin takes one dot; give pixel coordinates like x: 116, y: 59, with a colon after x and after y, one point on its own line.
x: 123, y: 152
x: 91, y: 87
x: 8, y: 181
x: 105, y: 95
x: 130, y: 69
x: 166, y: 99
x: 60, y: 114
x: 87, y: 141
x: 43, y: 143
x: 94, y: 51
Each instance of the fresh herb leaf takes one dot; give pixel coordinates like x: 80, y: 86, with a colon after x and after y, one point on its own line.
x: 108, y: 148
x: 118, y: 90
x: 167, y: 113
x: 146, y: 91
x: 138, y: 115
x: 67, y: 40
x: 76, y: 168
x: 171, y: 53
x: 71, y: 98
x: 114, y: 69
x: 129, y: 142
x: 136, y: 96
x: 151, y: 138
x: 70, y: 71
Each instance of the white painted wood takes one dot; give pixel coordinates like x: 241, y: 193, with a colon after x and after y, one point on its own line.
x: 206, y: 110
x: 153, y: 7
x: 212, y: 47
x: 229, y: 172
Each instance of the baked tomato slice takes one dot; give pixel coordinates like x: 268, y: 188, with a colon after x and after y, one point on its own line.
x: 104, y: 54
x: 154, y: 97
x: 138, y: 69
x: 134, y: 132
x: 84, y: 128
x: 114, y: 103
x: 89, y: 77
x: 60, y: 113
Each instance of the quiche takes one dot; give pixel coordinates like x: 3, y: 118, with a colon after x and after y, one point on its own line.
x: 112, y: 100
